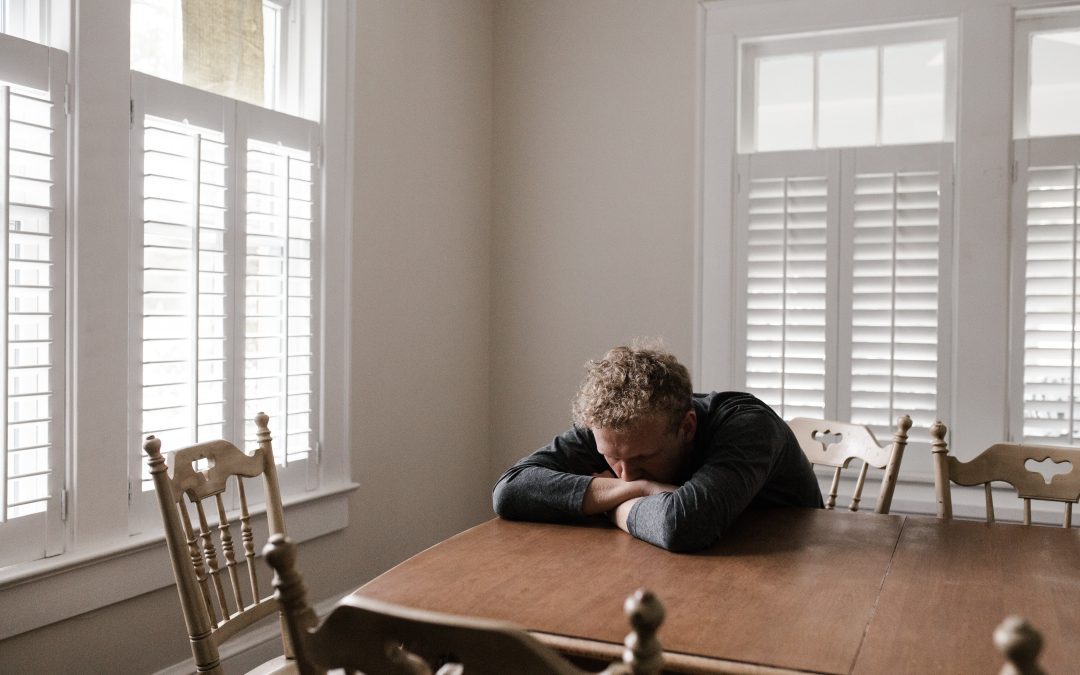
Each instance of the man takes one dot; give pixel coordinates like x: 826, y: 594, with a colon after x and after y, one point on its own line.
x: 670, y: 467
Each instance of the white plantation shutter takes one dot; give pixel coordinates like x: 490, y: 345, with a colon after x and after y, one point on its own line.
x: 280, y: 358
x: 1046, y: 207
x: 32, y: 196
x: 844, y: 255
x: 226, y: 203
x: 897, y: 224
x: 183, y: 214
x: 785, y: 221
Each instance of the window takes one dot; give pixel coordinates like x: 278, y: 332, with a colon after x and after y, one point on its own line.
x: 1046, y: 200
x: 33, y: 150
x: 73, y: 352
x: 268, y: 44
x: 879, y: 87
x: 843, y: 222
x: 227, y: 220
x: 26, y: 19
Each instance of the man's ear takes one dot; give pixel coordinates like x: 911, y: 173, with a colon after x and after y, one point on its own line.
x: 688, y: 427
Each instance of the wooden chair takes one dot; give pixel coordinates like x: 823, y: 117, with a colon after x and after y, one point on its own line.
x: 1006, y: 462
x: 362, y: 635
x: 211, y: 594
x: 1020, y: 643
x: 835, y: 444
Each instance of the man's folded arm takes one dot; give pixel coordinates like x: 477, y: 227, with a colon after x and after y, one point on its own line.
x: 539, y: 493
x: 697, y: 514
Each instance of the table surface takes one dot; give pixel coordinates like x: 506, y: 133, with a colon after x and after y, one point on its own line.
x: 798, y: 589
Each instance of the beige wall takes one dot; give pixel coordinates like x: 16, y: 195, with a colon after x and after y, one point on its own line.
x: 594, y: 198
x: 420, y: 329
x: 420, y: 273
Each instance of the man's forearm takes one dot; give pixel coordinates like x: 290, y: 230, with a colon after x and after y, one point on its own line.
x: 604, y: 494
x: 621, y: 515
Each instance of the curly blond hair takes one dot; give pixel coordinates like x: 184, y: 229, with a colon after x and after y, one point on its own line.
x: 632, y: 382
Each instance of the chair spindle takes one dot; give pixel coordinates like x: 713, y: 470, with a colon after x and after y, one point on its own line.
x: 197, y: 561
x: 1068, y: 515
x: 1027, y: 511
x: 227, y: 550
x: 249, y: 538
x: 830, y: 503
x: 989, y: 502
x: 856, y: 496
x: 210, y: 553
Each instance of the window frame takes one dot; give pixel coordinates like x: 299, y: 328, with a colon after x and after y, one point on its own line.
x: 96, y: 536
x: 978, y: 401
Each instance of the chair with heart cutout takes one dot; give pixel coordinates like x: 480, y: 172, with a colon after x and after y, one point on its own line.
x: 1041, y: 472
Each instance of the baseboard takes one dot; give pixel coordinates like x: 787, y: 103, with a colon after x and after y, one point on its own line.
x: 251, y: 648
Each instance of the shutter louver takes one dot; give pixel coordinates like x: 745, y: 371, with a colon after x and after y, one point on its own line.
x: 32, y: 299
x: 1050, y: 305
x: 894, y: 311
x: 278, y: 327
x: 786, y: 294
x: 184, y: 279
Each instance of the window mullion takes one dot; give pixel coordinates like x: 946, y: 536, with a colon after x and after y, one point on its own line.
x: 235, y: 299
x: 894, y: 178
x: 286, y: 315
x: 5, y: 137
x: 784, y: 301
x: 1071, y: 433
x: 196, y: 221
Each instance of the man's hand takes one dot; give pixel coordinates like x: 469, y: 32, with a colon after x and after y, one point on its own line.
x: 606, y: 492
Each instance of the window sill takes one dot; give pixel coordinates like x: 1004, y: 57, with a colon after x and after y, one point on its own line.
x: 47, y: 591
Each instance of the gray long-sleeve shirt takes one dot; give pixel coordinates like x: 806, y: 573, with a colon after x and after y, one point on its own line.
x: 743, y: 455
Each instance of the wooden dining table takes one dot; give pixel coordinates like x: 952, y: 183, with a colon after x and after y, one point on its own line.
x: 785, y: 590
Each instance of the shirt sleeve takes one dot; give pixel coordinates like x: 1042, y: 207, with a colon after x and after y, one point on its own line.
x: 549, y: 485
x: 740, y: 459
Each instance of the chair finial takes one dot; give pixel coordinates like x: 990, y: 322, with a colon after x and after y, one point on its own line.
x: 152, y: 446
x: 1021, y: 644
x: 938, y: 431
x: 280, y: 553
x: 262, y: 421
x: 643, y: 652
x: 903, y: 423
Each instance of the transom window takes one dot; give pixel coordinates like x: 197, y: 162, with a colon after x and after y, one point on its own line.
x: 880, y: 87
x: 249, y: 50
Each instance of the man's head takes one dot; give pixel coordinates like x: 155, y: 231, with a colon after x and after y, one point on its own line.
x: 637, y: 401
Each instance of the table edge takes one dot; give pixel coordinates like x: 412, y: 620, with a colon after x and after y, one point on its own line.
x: 683, y: 663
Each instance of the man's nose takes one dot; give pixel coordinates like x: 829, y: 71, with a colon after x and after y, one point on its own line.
x: 628, y: 472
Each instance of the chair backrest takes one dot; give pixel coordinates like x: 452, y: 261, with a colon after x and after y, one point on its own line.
x: 216, y: 603
x: 1007, y: 463
x: 368, y: 636
x: 835, y: 444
